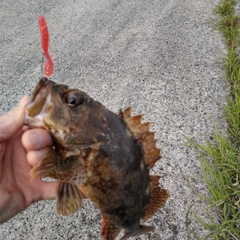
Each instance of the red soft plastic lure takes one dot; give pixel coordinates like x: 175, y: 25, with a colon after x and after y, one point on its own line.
x: 48, y: 67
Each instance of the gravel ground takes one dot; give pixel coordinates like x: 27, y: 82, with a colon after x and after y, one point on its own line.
x: 163, y: 57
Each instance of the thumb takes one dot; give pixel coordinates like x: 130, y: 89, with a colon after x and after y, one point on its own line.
x: 12, y: 122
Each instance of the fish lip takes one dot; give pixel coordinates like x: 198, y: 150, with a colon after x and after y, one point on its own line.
x: 40, y: 98
x: 43, y: 83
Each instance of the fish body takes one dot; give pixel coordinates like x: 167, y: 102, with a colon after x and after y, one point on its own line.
x: 97, y: 155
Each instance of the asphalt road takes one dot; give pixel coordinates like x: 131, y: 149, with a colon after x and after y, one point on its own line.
x: 163, y: 57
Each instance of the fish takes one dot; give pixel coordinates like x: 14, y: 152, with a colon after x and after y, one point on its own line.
x: 98, y: 155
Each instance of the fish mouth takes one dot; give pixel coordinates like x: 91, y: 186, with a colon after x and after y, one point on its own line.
x: 39, y: 105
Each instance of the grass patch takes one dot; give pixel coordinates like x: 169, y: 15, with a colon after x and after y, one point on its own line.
x: 220, y: 157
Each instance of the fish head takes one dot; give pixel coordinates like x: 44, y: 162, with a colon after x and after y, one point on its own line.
x: 69, y: 115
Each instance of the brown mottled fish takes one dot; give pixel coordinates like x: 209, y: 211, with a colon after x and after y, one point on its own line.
x: 98, y: 155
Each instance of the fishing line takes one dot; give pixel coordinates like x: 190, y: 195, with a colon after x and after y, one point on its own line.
x: 42, y: 72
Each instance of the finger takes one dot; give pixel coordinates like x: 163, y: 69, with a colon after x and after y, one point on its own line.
x: 25, y: 128
x: 50, y: 190
x: 35, y: 157
x: 12, y: 122
x: 36, y: 139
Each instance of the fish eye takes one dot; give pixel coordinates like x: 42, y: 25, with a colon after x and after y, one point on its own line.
x: 73, y: 99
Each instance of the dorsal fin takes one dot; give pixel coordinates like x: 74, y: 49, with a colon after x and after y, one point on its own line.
x: 134, y: 120
x: 144, y: 136
x: 127, y: 113
x: 158, y: 198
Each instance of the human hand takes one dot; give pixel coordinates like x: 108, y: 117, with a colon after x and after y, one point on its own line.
x: 20, y: 150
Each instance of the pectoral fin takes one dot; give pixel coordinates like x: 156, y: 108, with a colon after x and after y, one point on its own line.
x: 47, y: 166
x: 69, y: 199
x: 53, y: 165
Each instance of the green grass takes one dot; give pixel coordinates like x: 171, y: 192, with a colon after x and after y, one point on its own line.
x: 220, y: 157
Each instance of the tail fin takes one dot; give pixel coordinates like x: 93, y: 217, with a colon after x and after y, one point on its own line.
x: 141, y: 230
x: 109, y: 231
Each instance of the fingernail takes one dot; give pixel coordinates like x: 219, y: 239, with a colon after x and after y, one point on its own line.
x: 24, y: 101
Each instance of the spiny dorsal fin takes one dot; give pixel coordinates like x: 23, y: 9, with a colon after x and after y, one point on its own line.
x: 127, y: 113
x: 158, y: 197
x: 148, y: 137
x: 133, y: 121
x: 148, y: 146
x: 141, y: 129
x: 144, y: 136
x: 152, y: 156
